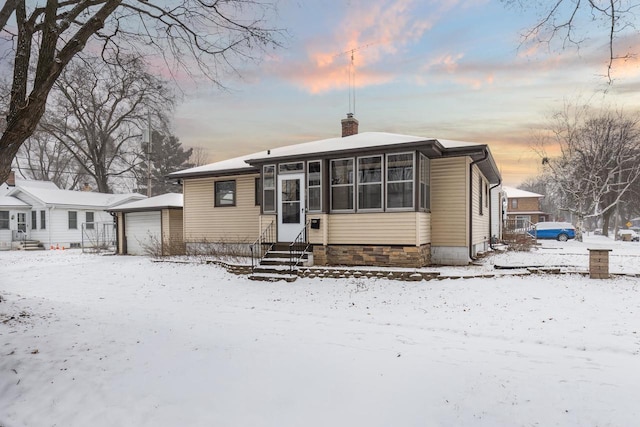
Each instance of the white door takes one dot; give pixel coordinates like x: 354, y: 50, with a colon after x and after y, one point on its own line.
x: 143, y: 231
x: 291, y: 216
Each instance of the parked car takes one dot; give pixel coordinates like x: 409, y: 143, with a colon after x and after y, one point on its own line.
x: 561, y: 231
x: 628, y: 235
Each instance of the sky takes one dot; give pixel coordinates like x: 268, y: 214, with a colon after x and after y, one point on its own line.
x: 443, y: 69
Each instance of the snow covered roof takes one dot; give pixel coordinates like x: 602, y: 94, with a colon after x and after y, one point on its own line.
x: 55, y: 196
x: 517, y: 193
x: 163, y: 201
x: 12, y: 202
x: 360, y: 141
x: 36, y: 184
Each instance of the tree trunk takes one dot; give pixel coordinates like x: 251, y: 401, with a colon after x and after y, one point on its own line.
x: 606, y: 220
x: 579, y: 227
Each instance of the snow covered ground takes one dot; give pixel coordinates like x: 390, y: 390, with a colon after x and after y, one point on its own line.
x: 89, y: 340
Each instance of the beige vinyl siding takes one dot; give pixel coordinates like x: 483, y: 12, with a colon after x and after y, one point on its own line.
x: 423, y: 221
x: 391, y: 228
x: 449, y: 201
x: 172, y: 231
x: 480, y: 228
x: 204, y: 222
x: 319, y: 236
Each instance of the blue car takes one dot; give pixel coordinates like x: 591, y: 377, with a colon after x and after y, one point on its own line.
x: 561, y: 231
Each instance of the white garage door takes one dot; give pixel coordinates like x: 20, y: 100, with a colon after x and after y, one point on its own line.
x: 142, y: 229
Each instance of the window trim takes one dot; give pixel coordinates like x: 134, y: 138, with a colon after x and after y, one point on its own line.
x: 257, y: 191
x: 380, y: 183
x: 265, y: 188
x: 215, y: 193
x: 8, y: 220
x: 427, y: 161
x: 285, y: 171
x: 309, y: 186
x: 412, y: 181
x: 352, y: 184
x: 75, y: 220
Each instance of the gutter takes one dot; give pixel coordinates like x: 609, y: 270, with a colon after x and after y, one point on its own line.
x: 471, y: 165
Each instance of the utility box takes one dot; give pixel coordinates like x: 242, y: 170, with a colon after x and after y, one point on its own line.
x: 315, y: 223
x: 599, y: 263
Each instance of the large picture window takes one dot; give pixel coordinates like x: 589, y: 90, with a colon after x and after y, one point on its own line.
x: 4, y: 220
x: 314, y: 185
x: 269, y: 188
x: 400, y: 181
x: 370, y: 183
x: 425, y: 185
x: 225, y: 193
x: 342, y: 184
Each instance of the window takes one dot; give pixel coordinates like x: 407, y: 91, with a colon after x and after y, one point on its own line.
x: 269, y: 188
x: 314, y: 184
x: 43, y: 220
x: 4, y: 220
x: 480, y: 195
x: 89, y: 220
x: 291, y: 167
x: 425, y: 182
x: 73, y: 220
x: 400, y: 180
x: 370, y: 182
x: 257, y: 189
x: 342, y: 185
x: 34, y: 220
x: 225, y: 193
x: 514, y: 203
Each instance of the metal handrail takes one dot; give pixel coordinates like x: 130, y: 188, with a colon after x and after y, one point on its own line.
x: 298, y: 247
x: 262, y: 245
x: 520, y: 227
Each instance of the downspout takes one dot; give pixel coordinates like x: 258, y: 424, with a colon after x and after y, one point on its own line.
x: 491, y: 211
x: 471, y: 165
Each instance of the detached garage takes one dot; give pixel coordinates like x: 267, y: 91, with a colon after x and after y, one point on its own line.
x: 151, y: 227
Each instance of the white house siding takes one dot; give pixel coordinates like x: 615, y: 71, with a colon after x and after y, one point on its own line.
x: 58, y: 233
x: 480, y: 229
x: 206, y: 223
x: 496, y: 212
x: 450, y: 210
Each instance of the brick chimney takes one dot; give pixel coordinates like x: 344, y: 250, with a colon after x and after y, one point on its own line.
x: 349, y: 125
x: 11, y: 180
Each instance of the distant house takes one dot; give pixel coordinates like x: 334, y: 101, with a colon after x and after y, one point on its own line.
x: 42, y: 214
x: 152, y: 225
x: 361, y: 199
x: 524, y: 207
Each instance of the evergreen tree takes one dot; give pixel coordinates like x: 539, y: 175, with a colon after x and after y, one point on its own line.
x: 167, y: 156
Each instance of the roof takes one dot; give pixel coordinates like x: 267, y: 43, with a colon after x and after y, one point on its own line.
x: 163, y: 201
x: 337, y: 145
x: 55, y: 196
x: 12, y: 202
x: 36, y: 184
x: 518, y: 193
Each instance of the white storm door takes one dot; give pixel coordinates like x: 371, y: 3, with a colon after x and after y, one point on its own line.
x: 291, y: 205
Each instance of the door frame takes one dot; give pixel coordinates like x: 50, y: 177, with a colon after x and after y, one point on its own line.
x: 288, y: 232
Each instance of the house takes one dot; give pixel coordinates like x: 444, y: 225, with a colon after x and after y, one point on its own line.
x: 41, y: 213
x: 368, y: 198
x: 152, y: 225
x: 523, y: 207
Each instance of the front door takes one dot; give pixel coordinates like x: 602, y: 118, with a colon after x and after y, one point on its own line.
x: 22, y: 222
x: 291, y: 218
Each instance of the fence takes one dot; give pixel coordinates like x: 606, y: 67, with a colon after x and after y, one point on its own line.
x: 99, y: 236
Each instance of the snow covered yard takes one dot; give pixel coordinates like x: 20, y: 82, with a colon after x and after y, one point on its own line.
x: 89, y: 340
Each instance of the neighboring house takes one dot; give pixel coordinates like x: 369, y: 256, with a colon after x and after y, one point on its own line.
x: 523, y: 207
x: 151, y: 226
x: 365, y: 199
x: 498, y: 212
x: 54, y: 217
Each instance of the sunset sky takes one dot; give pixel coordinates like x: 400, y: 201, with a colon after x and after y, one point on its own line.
x: 442, y: 69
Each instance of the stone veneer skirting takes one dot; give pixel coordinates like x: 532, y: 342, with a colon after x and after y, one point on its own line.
x: 373, y: 255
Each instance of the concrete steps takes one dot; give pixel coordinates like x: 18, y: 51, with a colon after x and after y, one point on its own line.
x: 276, y: 265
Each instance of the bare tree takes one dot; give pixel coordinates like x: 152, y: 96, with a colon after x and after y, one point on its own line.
x: 598, y: 163
x: 44, y: 158
x: 570, y: 20
x: 45, y: 35
x: 199, y: 156
x: 97, y: 111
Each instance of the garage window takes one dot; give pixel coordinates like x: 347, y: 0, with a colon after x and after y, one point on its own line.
x: 225, y: 193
